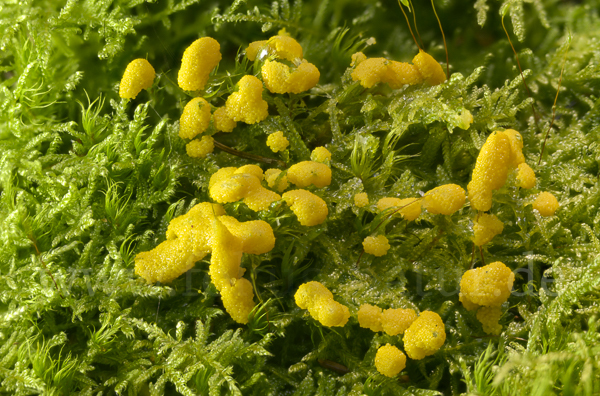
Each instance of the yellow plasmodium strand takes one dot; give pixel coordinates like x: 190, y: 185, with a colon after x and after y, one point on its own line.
x: 445, y: 199
x: 390, y: 360
x: 397, y: 321
x: 256, y: 236
x: 546, y: 204
x: 280, y: 79
x: 485, y: 228
x: 247, y: 105
x: 195, y: 118
x: 377, y: 246
x: 309, y: 208
x: 369, y: 317
x: 320, y: 304
x: 408, y: 208
x: 198, y: 60
x: 372, y: 71
x: 138, y: 75
x: 200, y: 148
x: 282, y: 47
x: 305, y: 173
x: 425, y: 336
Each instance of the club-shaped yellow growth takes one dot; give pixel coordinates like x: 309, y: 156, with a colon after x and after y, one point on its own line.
x: 369, y: 317
x: 489, y: 317
x: 138, y: 75
x: 485, y: 228
x: 305, y: 173
x: 546, y: 204
x: 525, y: 176
x: 227, y: 185
x: 195, y: 118
x: 377, y: 246
x: 320, y: 304
x: 200, y: 148
x: 223, y: 123
x: 408, y: 208
x: 372, y: 71
x: 320, y: 154
x: 280, y: 79
x: 309, y: 208
x: 488, y: 286
x: 501, y: 152
x: 277, y: 142
x: 205, y: 229
x: 361, y: 200
x: 199, y: 59
x: 276, y: 180
x: 445, y: 199
x: 281, y: 47
x: 397, y: 321
x: 491, y: 170
x: 425, y: 336
x: 188, y: 240
x: 247, y: 104
x: 430, y: 69
x: 390, y: 360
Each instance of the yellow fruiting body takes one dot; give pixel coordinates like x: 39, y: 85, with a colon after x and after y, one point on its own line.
x: 226, y: 256
x: 195, y: 118
x: 408, y: 208
x: 277, y: 142
x: 320, y: 154
x: 256, y: 236
x: 485, y: 228
x: 488, y: 286
x: 238, y: 299
x: 425, y: 336
x: 278, y: 77
x: 226, y: 185
x: 222, y: 121
x: 370, y: 71
x: 546, y: 204
x: 252, y: 170
x: 396, y: 321
x: 377, y: 246
x: 276, y: 180
x: 361, y: 200
x: 399, y: 74
x: 305, y: 173
x: 188, y: 240
x: 516, y: 147
x: 525, y: 176
x: 309, y: 208
x: 198, y: 60
x: 200, y: 148
x: 430, y: 69
x: 357, y: 57
x: 446, y: 199
x: 247, y: 104
x: 491, y: 170
x: 281, y: 46
x: 138, y: 75
x: 489, y: 318
x: 390, y: 360
x: 369, y: 317
x: 320, y: 304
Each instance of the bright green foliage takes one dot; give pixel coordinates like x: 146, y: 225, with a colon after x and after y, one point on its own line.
x: 88, y: 181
